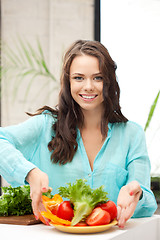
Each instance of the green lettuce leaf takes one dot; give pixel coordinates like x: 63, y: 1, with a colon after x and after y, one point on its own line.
x: 83, y: 198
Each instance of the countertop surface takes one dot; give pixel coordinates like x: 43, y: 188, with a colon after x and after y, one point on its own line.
x: 135, y: 229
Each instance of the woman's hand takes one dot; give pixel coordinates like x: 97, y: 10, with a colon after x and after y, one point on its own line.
x: 38, y: 182
x: 127, y: 201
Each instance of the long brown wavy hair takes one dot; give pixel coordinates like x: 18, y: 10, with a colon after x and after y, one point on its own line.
x: 68, y: 113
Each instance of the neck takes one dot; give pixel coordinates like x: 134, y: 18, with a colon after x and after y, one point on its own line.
x: 92, y: 120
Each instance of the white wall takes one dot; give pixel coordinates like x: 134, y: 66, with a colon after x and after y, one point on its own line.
x: 130, y: 31
x: 57, y: 23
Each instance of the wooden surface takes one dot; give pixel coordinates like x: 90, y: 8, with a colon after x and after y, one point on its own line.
x: 19, y: 220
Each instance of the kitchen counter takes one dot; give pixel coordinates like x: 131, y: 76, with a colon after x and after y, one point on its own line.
x: 135, y: 229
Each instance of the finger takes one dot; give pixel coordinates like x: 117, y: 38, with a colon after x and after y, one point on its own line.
x: 130, y: 211
x: 122, y: 220
x: 42, y: 218
x: 41, y: 207
x: 118, y: 212
x: 35, y: 204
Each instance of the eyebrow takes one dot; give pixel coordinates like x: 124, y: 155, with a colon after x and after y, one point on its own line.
x: 80, y: 74
x: 77, y: 74
x: 99, y: 73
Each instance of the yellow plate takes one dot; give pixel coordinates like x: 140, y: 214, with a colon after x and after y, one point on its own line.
x: 86, y: 229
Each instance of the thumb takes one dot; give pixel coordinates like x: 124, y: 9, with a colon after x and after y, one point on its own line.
x: 45, y: 183
x: 44, y: 189
x: 135, y: 190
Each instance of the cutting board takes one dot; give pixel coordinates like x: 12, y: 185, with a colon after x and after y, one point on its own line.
x: 19, y: 220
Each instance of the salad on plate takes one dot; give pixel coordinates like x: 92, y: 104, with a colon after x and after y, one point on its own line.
x: 85, y: 206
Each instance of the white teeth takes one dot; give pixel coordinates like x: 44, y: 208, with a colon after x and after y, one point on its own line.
x: 88, y: 97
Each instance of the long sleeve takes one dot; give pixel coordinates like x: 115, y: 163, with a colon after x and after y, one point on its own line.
x: 17, y: 146
x: 138, y: 166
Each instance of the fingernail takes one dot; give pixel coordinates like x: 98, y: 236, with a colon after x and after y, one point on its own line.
x: 121, y: 227
x: 47, y: 223
x: 131, y: 193
x: 35, y: 217
x: 44, y: 189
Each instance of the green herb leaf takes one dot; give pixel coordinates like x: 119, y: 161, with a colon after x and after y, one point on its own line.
x: 15, y: 201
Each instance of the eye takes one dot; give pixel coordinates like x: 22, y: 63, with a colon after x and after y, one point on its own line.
x: 78, y: 78
x: 98, y: 78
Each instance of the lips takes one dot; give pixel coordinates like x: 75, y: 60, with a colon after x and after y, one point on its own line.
x: 88, y: 97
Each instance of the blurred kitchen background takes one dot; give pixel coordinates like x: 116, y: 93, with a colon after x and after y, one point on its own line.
x: 34, y: 36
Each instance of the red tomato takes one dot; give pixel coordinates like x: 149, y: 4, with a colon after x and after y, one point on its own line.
x: 65, y: 211
x: 110, y: 207
x: 81, y: 224
x: 98, y: 217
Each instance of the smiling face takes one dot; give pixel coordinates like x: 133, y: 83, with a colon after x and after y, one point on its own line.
x: 86, y: 83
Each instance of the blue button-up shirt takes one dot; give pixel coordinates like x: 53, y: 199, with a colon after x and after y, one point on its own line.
x: 122, y: 159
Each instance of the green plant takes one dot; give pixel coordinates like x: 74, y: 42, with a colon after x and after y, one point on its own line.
x: 155, y: 181
x: 151, y: 112
x: 25, y: 63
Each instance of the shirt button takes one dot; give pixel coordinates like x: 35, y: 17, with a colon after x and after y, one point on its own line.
x: 89, y: 175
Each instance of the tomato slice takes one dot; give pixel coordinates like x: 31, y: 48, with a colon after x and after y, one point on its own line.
x: 98, y: 217
x: 65, y: 211
x: 81, y: 224
x: 111, y: 208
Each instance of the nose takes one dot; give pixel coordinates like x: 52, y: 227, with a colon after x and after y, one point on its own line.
x: 89, y: 86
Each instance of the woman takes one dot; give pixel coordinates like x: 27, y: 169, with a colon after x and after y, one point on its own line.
x: 86, y: 136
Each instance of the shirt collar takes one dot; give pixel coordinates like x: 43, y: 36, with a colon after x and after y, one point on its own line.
x: 109, y: 130
x: 110, y: 125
